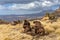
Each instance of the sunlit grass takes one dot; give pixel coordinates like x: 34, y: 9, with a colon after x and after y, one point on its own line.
x: 10, y: 32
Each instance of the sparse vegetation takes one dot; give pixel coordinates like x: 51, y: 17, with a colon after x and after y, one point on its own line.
x: 50, y: 15
x: 47, y: 14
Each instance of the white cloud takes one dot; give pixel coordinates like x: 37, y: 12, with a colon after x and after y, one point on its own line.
x: 22, y: 6
x: 2, y: 7
x: 47, y: 3
x: 30, y: 5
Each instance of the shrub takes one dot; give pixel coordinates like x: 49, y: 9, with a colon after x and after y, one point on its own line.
x: 47, y: 14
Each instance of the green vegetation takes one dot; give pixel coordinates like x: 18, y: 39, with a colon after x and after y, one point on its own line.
x: 47, y: 14
x: 51, y: 16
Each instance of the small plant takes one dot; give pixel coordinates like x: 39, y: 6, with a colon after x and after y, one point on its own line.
x: 51, y: 16
x: 47, y: 14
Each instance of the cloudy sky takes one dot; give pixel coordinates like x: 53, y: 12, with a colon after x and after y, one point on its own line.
x: 27, y: 6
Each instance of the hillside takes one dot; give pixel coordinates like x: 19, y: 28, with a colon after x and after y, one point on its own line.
x: 16, y: 32
x: 10, y: 32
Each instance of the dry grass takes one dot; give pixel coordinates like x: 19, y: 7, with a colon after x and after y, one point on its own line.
x: 9, y: 32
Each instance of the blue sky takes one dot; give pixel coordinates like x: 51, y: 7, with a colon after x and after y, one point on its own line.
x: 27, y: 6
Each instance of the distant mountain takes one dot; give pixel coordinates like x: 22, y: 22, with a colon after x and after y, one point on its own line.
x: 38, y: 14
x: 22, y: 17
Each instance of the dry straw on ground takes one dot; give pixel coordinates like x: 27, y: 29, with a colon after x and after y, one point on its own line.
x: 10, y: 32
